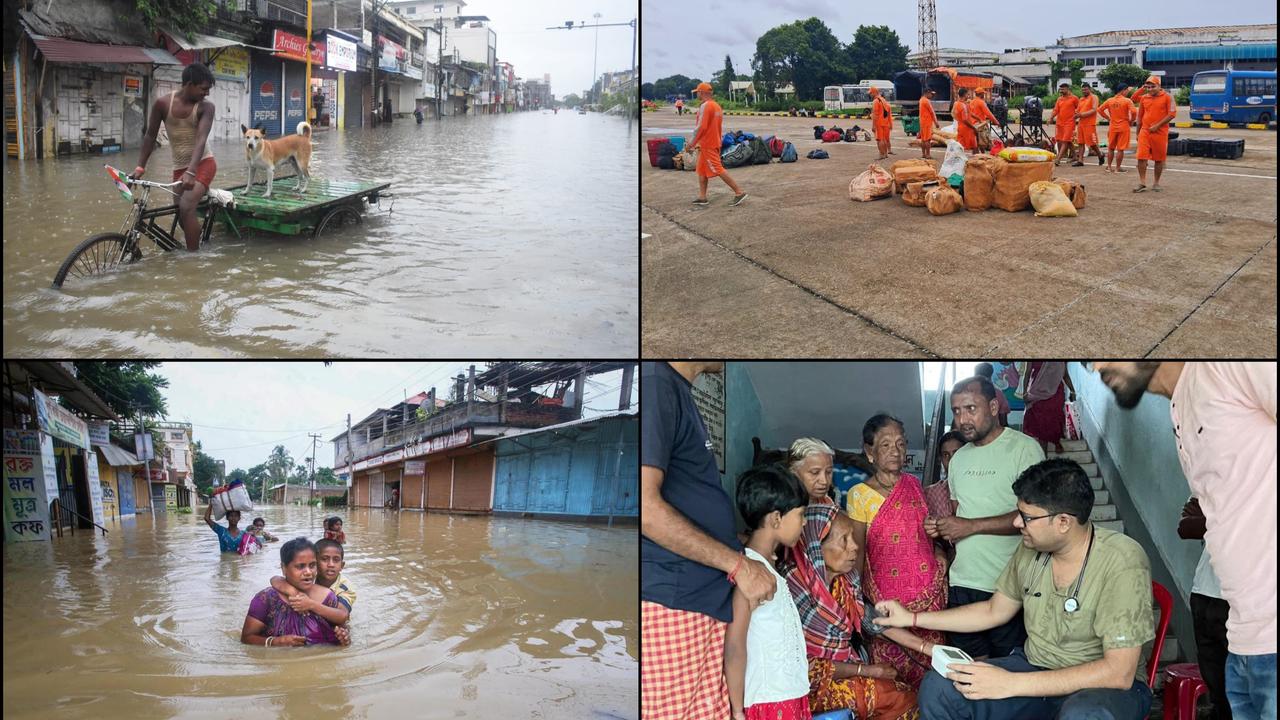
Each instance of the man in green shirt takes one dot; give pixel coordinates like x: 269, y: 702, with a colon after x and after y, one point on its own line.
x: 1086, y: 596
x: 981, y: 477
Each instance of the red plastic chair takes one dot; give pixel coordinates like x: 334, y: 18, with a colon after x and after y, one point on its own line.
x: 1183, y: 686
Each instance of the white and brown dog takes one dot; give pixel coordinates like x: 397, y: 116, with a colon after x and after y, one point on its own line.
x: 265, y: 154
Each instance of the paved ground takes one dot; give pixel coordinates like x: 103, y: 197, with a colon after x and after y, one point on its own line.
x: 800, y: 270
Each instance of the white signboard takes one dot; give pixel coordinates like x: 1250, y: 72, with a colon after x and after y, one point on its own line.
x: 26, y: 503
x: 50, y: 465
x: 95, y: 486
x: 342, y: 53
x: 142, y: 443
x: 415, y: 467
x: 708, y: 395
x: 99, y: 434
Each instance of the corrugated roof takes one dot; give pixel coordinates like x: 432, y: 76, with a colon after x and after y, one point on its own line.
x: 63, y: 50
x: 559, y: 426
x: 118, y: 457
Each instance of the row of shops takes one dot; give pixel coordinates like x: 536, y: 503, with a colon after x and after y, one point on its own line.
x: 581, y: 468
x: 81, y: 78
x: 62, y: 472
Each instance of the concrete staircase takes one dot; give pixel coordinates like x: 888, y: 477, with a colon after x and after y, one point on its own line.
x: 1104, y: 515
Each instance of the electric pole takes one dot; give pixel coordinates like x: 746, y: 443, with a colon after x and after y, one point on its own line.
x: 595, y: 52
x: 314, y: 437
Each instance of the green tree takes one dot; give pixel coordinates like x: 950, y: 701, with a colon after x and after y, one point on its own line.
x: 804, y: 53
x: 1118, y: 75
x: 721, y: 78
x: 571, y: 100
x: 1076, y: 69
x: 126, y: 387
x: 187, y: 16
x: 1057, y: 69
x: 326, y: 476
x: 673, y: 85
x: 204, y: 469
x: 254, y: 480
x: 876, y: 53
x: 278, y: 466
x: 646, y: 92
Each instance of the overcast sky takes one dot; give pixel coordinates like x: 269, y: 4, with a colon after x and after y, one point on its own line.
x: 241, y: 410
x: 566, y: 54
x: 692, y: 38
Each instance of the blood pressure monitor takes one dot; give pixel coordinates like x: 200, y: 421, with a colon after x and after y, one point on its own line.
x: 944, y: 655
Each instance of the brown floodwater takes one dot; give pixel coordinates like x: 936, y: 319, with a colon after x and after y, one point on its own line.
x: 456, y: 617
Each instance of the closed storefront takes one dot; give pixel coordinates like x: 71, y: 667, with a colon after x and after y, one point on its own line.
x: 412, y: 489
x: 473, y: 481
x: 439, y: 483
x: 377, y: 490
x: 266, y: 93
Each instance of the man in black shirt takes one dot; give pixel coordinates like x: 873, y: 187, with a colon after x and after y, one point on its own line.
x: 690, y: 556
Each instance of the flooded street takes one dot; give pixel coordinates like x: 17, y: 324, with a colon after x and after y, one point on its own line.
x: 456, y: 617
x: 510, y: 235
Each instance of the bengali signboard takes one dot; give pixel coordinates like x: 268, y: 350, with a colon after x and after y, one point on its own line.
x: 459, y: 438
x: 171, y: 496
x: 49, y: 462
x: 144, y: 446
x: 708, y: 395
x: 232, y: 63
x: 26, y: 502
x: 95, y: 486
x: 59, y: 422
x: 342, y: 53
x: 99, y: 433
x: 415, y: 467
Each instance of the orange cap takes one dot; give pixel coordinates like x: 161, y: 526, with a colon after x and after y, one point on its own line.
x: 874, y: 91
x: 1154, y: 80
x: 703, y: 87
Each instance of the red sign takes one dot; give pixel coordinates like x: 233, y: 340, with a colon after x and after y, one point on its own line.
x: 267, y: 89
x: 294, y: 47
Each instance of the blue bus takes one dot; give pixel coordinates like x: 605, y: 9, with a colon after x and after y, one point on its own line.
x: 1234, y: 96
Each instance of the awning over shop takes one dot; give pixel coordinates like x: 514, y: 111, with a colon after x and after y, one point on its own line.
x: 1210, y: 53
x: 119, y: 457
x: 199, y: 41
x: 63, y: 50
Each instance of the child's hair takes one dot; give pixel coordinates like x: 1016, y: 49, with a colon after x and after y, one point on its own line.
x: 255, y: 521
x: 290, y: 549
x: 327, y: 543
x: 766, y: 488
x: 197, y: 73
x: 329, y: 521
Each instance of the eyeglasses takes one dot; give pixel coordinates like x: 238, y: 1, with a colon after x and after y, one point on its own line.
x: 1026, y: 519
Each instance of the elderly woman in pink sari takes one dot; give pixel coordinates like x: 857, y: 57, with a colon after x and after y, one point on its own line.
x: 901, y: 562
x: 1044, y: 417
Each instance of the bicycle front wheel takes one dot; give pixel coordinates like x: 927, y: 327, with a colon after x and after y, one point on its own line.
x: 98, y: 254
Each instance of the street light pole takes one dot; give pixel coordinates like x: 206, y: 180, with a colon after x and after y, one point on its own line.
x: 594, y: 53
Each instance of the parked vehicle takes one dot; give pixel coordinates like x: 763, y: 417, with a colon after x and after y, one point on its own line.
x: 909, y: 86
x: 854, y: 97
x: 1234, y: 96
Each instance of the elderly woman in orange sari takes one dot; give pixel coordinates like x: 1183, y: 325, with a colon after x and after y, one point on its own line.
x: 821, y: 573
x: 901, y: 562
x: 810, y: 459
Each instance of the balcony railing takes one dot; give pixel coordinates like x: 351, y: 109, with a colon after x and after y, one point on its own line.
x: 452, y: 418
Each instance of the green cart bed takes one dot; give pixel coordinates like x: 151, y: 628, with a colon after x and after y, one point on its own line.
x: 325, y: 202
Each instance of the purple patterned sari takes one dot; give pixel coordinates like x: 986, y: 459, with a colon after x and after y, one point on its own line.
x: 271, y: 610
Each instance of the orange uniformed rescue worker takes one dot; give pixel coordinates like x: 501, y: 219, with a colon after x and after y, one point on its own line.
x: 928, y: 119
x: 1119, y: 111
x: 881, y: 122
x: 966, y: 134
x: 707, y: 140
x: 979, y: 113
x: 1087, y: 125
x: 1064, y: 114
x: 1155, y: 112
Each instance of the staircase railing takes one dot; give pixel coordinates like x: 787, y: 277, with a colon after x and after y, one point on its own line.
x: 59, y: 508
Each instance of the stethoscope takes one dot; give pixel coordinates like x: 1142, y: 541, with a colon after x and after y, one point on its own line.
x: 1072, y: 603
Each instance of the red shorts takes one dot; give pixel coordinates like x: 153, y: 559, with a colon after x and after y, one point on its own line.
x: 881, y: 131
x: 1063, y: 131
x: 205, y: 170
x: 709, y: 163
x: 682, y: 673
x: 1153, y: 146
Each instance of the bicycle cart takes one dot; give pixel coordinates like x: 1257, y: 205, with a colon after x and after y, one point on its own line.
x: 326, y: 205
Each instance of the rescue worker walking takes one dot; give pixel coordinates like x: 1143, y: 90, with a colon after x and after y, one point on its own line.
x: 881, y: 122
x: 1087, y: 123
x: 1118, y: 110
x: 1155, y: 111
x: 928, y: 119
x: 980, y: 113
x: 1064, y: 114
x: 707, y: 140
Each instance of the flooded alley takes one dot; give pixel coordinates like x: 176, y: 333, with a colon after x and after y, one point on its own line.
x: 509, y: 235
x: 457, y: 617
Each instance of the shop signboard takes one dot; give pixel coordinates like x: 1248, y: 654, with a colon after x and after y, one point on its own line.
x: 294, y: 47
x: 59, y: 422
x: 95, y: 486
x: 49, y: 463
x: 99, y: 433
x: 26, y: 501
x: 133, y: 86
x: 171, y: 496
x: 144, y: 447
x: 232, y: 63
x: 342, y: 53
x: 415, y: 467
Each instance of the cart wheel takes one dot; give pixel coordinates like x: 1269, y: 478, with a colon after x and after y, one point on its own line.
x: 345, y: 215
x: 98, y: 254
